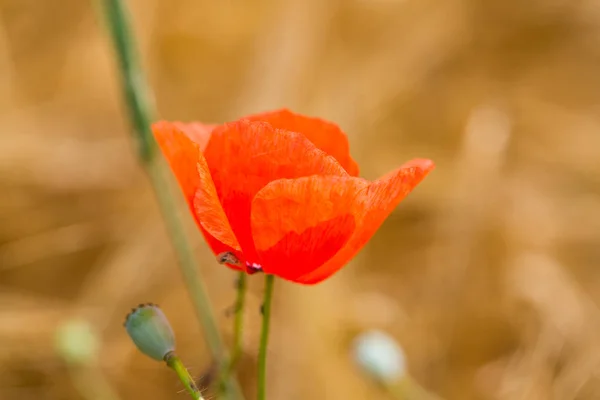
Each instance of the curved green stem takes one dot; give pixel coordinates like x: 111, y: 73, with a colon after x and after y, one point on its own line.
x: 174, y: 362
x: 140, y: 114
x: 264, y: 337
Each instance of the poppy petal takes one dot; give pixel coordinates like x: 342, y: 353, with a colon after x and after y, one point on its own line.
x: 181, y: 153
x: 190, y: 168
x: 243, y: 157
x: 299, y: 224
x: 197, y: 132
x: 325, y: 135
x: 209, y: 210
x: 375, y: 205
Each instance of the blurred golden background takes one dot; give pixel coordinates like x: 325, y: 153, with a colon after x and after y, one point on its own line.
x: 487, y: 274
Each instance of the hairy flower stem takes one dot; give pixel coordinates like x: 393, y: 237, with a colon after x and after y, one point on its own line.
x: 238, y: 324
x: 174, y: 362
x: 140, y: 114
x: 264, y: 337
x: 238, y: 327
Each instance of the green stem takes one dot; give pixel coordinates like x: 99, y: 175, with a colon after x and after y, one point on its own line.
x: 140, y: 114
x: 238, y: 324
x: 264, y: 337
x: 397, y: 391
x: 408, y: 389
x: 238, y: 327
x: 132, y: 80
x: 91, y: 383
x: 174, y: 362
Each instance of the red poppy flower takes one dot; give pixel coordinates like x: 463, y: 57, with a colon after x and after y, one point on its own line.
x: 280, y: 191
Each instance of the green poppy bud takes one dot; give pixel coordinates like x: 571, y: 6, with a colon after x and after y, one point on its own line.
x: 150, y: 331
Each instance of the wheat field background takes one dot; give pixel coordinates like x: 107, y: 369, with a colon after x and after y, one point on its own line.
x: 488, y: 274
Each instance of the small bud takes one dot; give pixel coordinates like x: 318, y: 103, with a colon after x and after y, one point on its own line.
x: 150, y: 331
x: 77, y: 342
x: 380, y: 355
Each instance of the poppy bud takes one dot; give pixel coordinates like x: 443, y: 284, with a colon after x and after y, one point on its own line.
x: 77, y: 342
x: 379, y: 355
x: 150, y: 331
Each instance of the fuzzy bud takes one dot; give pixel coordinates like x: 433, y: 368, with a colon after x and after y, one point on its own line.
x: 150, y: 331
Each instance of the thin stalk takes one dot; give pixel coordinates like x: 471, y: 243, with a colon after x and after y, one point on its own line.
x: 238, y: 327
x: 238, y: 323
x: 91, y: 383
x: 408, y: 389
x: 398, y: 391
x: 264, y: 337
x: 174, y: 362
x: 140, y: 114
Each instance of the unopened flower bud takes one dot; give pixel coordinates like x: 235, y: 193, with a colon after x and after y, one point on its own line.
x: 150, y: 331
x: 380, y: 356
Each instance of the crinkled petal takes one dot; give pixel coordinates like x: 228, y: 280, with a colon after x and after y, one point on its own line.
x: 299, y: 224
x: 190, y: 168
x: 243, y: 157
x: 374, y: 205
x: 325, y: 135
